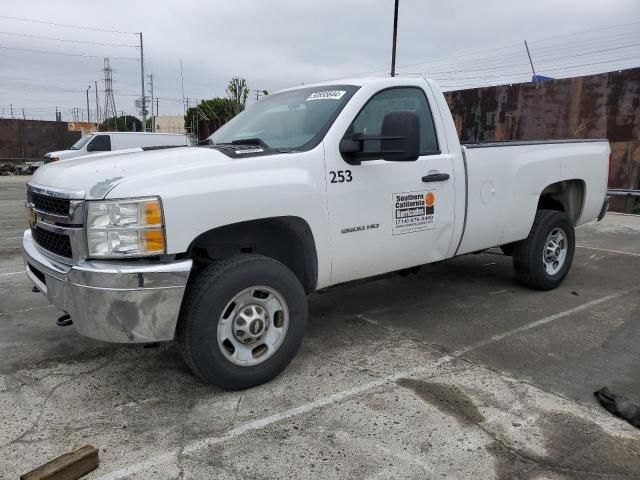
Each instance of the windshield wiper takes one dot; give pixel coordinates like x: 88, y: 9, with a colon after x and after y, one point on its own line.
x: 250, y: 141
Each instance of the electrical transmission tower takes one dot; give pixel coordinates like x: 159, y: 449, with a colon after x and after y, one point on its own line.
x: 109, y: 102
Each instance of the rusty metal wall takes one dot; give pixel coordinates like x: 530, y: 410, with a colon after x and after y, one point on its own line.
x: 207, y: 127
x: 29, y: 140
x: 595, y: 106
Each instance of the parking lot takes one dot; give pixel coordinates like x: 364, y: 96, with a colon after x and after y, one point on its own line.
x: 455, y: 372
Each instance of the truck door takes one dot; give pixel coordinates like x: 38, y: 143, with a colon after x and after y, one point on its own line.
x: 385, y: 215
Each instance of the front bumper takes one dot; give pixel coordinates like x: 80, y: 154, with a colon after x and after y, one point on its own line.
x: 118, y: 301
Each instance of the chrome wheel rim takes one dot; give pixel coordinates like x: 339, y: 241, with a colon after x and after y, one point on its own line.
x: 253, y: 326
x: 554, y: 254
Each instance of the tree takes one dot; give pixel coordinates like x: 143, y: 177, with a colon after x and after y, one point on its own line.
x: 238, y: 91
x: 219, y: 108
x: 123, y: 123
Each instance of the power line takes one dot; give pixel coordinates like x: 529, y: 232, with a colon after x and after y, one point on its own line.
x: 520, y: 54
x: 584, y: 31
x: 505, y: 78
x: 65, y: 53
x: 504, y: 47
x: 584, y: 42
x: 630, y: 57
x: 506, y: 67
x: 464, y: 67
x: 69, y: 41
x: 80, y: 27
x: 594, y: 52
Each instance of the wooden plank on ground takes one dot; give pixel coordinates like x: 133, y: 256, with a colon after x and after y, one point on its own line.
x: 69, y: 466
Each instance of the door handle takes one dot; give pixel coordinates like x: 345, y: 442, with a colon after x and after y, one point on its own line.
x: 435, y: 177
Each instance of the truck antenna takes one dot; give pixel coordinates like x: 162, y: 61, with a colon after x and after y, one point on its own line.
x: 395, y: 35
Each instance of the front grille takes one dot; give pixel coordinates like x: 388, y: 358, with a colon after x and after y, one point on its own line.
x: 54, y: 205
x: 56, y: 243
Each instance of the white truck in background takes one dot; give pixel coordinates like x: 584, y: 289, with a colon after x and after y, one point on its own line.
x: 217, y: 247
x: 111, y: 141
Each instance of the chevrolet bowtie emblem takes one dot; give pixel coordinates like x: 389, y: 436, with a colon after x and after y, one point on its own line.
x: 32, y: 217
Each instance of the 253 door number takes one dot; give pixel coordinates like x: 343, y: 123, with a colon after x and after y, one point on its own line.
x: 340, y: 176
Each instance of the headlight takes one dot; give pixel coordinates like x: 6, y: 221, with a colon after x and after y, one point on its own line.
x: 125, y: 228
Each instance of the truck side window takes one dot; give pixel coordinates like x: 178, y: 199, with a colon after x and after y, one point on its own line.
x: 369, y: 120
x: 100, y: 143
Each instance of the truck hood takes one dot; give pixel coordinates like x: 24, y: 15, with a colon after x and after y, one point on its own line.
x: 96, y: 175
x: 62, y: 154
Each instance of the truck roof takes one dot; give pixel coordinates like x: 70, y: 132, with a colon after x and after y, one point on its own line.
x: 140, y: 133
x: 359, y: 82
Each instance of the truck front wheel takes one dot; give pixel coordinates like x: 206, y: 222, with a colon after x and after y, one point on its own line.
x: 242, y: 321
x: 543, y: 259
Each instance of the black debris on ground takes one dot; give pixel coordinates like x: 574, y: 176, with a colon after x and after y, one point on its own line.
x: 619, y: 405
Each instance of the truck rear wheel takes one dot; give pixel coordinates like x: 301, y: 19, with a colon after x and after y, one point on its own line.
x: 242, y: 321
x: 543, y: 259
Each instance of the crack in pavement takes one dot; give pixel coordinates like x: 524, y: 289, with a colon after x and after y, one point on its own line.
x: 48, y: 397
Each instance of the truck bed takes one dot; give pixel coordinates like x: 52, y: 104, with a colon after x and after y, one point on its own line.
x: 504, y: 181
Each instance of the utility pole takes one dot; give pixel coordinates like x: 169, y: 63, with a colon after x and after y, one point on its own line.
x: 395, y: 36
x: 153, y: 118
x: 11, y: 108
x: 184, y: 109
x: 23, y: 115
x: 88, y: 111
x: 144, y: 98
x: 95, y: 82
x: 535, y: 77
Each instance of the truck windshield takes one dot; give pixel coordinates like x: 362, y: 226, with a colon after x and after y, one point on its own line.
x: 81, y: 143
x: 293, y: 120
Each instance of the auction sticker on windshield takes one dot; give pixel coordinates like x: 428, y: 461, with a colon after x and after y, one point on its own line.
x: 327, y: 95
x: 413, y: 211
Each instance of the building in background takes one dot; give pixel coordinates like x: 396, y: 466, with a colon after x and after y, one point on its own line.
x: 83, y: 127
x: 170, y: 124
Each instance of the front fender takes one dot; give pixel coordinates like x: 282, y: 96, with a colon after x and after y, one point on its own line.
x: 200, y: 199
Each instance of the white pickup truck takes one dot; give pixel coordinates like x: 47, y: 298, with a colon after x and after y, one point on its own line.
x: 217, y: 247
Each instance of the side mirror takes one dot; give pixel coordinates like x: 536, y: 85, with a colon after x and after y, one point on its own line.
x: 399, y: 140
x: 400, y: 136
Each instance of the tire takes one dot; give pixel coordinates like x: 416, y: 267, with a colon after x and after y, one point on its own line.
x: 218, y: 300
x: 531, y: 266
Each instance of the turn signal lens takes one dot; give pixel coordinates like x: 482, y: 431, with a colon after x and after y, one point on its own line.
x: 153, y: 241
x: 152, y: 213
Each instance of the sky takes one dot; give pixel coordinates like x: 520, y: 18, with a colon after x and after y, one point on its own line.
x: 277, y: 44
